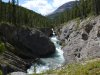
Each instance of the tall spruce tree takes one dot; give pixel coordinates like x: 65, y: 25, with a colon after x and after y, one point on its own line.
x: 83, y: 8
x: 97, y: 6
x: 0, y: 10
x: 13, y: 11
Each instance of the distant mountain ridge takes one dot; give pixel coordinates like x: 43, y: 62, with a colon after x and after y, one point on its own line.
x: 62, y: 8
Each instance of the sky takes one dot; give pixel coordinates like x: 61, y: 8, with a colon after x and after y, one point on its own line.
x: 43, y: 7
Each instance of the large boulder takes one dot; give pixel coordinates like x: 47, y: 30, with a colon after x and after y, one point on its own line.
x: 27, y: 42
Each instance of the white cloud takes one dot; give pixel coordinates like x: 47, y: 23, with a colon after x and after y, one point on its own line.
x: 42, y: 6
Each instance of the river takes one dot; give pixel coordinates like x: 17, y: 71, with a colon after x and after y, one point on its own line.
x: 52, y: 62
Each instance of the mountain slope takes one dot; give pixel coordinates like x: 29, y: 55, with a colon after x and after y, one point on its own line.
x: 64, y: 7
x: 21, y: 16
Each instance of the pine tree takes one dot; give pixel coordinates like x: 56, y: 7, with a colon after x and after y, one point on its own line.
x: 9, y: 11
x: 13, y: 12
x: 0, y: 10
x: 17, y: 2
x: 97, y: 6
x: 83, y: 8
x: 17, y: 13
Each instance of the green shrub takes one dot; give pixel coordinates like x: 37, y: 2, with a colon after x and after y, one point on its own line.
x: 2, y: 47
x: 0, y: 72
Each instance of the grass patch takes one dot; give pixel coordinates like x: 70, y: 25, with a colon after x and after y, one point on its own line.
x: 78, y: 23
x: 89, y: 68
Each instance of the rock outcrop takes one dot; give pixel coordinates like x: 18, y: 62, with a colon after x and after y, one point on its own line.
x: 19, y: 73
x: 81, y: 39
x: 27, y: 43
x: 9, y: 62
x: 47, y: 31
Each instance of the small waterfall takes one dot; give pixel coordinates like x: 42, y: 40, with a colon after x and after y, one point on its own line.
x: 56, y: 60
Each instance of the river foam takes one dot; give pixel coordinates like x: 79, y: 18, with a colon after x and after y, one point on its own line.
x: 52, y: 62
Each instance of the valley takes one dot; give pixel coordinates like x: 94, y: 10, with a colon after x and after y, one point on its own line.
x: 65, y: 42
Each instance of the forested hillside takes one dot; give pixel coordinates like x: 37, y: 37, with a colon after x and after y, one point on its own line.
x: 81, y: 9
x: 13, y: 13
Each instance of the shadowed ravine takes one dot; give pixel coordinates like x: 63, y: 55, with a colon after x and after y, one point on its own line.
x: 52, y: 62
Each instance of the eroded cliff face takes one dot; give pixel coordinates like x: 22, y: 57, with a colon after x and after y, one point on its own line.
x: 81, y: 39
x: 28, y: 43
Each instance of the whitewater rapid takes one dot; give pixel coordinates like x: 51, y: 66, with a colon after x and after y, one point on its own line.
x: 52, y: 62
